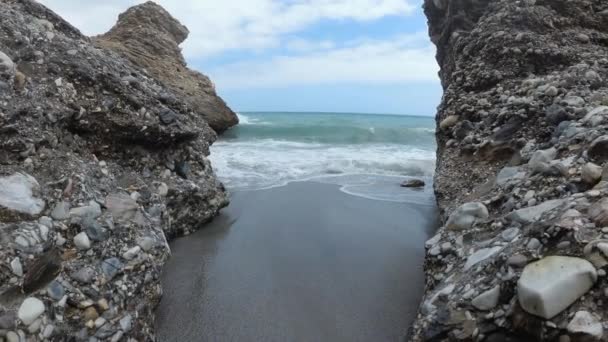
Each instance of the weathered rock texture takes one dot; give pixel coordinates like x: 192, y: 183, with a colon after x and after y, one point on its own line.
x: 149, y: 37
x: 99, y: 163
x: 523, y: 130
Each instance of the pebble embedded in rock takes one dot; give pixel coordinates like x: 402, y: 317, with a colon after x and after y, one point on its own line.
x: 449, y: 121
x: 163, y: 189
x: 510, y: 234
x: 517, y: 260
x: 90, y: 314
x: 146, y: 243
x: 591, y: 173
x: 488, y: 300
x: 125, y: 323
x: 548, y: 286
x: 93, y: 211
x: 7, y: 67
x: 540, y: 160
x: 585, y: 323
x: 61, y: 211
x: 16, y: 267
x: 30, y: 310
x: 598, y: 212
x: 481, y: 255
x: 124, y: 208
x: 82, y: 242
x: 16, y: 193
x: 111, y: 267
x: 466, y: 215
x: 7, y: 320
x: 131, y: 253
x: 55, y: 290
x: 531, y: 214
x: 598, y: 150
x: 84, y: 275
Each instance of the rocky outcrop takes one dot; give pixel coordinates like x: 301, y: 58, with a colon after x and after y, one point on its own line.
x: 99, y: 164
x: 521, y: 172
x: 149, y: 37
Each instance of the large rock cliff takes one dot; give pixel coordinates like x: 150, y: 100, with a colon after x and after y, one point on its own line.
x: 522, y: 172
x: 149, y: 37
x: 100, y: 163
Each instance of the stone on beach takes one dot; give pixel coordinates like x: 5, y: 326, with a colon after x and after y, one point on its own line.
x: 466, y: 215
x: 548, y: 286
x: 413, y: 183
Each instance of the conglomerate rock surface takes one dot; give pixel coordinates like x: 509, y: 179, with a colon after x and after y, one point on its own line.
x: 522, y: 175
x: 149, y: 36
x: 99, y: 165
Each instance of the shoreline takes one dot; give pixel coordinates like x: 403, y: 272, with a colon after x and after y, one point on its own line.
x: 272, y: 242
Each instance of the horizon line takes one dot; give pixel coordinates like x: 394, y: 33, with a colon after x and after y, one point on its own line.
x: 328, y: 112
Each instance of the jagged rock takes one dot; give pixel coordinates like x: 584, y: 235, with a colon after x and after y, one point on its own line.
x: 149, y: 37
x: 17, y: 193
x: 7, y: 67
x: 30, y: 310
x: 585, y: 323
x: 550, y: 285
x: 466, y: 215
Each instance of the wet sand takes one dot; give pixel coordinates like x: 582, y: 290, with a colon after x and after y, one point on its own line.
x: 303, y: 262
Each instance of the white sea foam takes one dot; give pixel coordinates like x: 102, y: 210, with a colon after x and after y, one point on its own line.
x: 372, y: 171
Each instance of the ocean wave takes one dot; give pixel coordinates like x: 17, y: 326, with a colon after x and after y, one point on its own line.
x: 260, y: 164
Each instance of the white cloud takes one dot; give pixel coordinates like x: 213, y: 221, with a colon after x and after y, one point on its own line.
x: 404, y: 59
x: 218, y: 26
x: 261, y: 25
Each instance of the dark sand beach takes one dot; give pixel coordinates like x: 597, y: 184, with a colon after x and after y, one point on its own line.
x: 302, y: 262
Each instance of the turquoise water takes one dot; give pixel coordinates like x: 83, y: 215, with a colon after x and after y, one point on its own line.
x: 367, y: 154
x: 332, y: 128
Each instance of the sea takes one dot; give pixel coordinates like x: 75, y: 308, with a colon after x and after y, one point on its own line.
x: 366, y: 155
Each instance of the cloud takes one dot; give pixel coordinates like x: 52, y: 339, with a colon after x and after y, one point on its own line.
x: 403, y: 59
x: 220, y: 26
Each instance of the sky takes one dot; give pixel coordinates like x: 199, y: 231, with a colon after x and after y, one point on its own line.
x: 367, y: 56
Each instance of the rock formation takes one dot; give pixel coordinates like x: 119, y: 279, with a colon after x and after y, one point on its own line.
x: 521, y: 172
x: 99, y: 164
x: 149, y: 37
